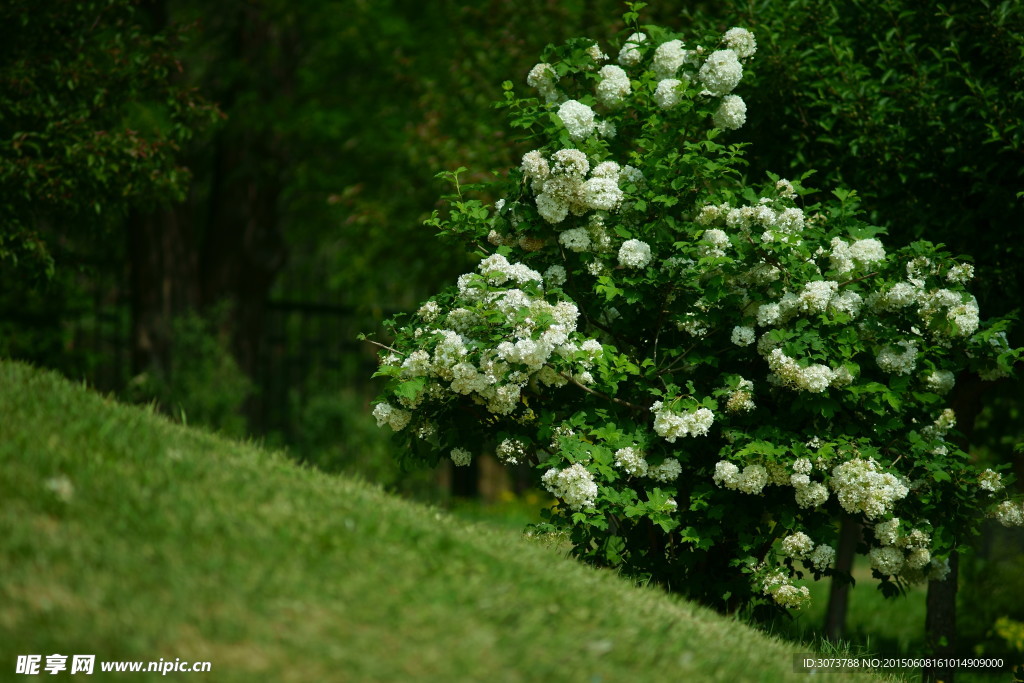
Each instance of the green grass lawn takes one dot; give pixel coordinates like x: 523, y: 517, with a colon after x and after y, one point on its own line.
x: 128, y: 537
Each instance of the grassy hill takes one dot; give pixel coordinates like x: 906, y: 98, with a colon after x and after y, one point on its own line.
x: 128, y: 537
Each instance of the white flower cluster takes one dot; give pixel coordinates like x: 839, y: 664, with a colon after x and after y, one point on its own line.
x: 543, y: 77
x: 940, y: 381
x: 1009, y: 513
x: 631, y: 461
x: 574, y: 485
x: 667, y: 471
x: 895, y: 362
x: 743, y: 336
x: 751, y: 480
x: 630, y: 54
x: 823, y: 557
x: 777, y: 585
x: 721, y: 72
x: 741, y: 41
x: 798, y: 546
x: 672, y: 425
x: 494, y: 377
x: 614, y: 86
x: 778, y: 224
x: 903, y: 554
x: 634, y: 254
x: 846, y: 257
x: 511, y: 451
x: 666, y: 95
x: 578, y: 119
x: 671, y: 55
x: 731, y: 113
x: 562, y: 186
x: 742, y: 399
x: 396, y: 418
x: 862, y: 488
x: 461, y: 457
x: 814, y: 378
x: 713, y: 243
x: 990, y: 481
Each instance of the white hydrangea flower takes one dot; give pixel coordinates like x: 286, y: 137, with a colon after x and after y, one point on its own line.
x: 634, y: 254
x: 631, y: 461
x: 823, y: 557
x: 940, y: 381
x: 595, y: 53
x: 511, y: 451
x: 751, y: 480
x: 713, y: 243
x: 888, y: 532
x: 741, y: 41
x: 578, y: 119
x: 571, y: 162
x: 667, y: 471
x: 535, y: 166
x: 574, y: 485
x: 672, y: 425
x: 867, y: 251
x: 606, y: 129
x: 990, y: 481
x: 614, y: 86
x: 768, y: 314
x: 849, y: 302
x: 551, y: 209
x: 575, y: 239
x: 396, y: 418
x: 669, y: 56
x: 542, y: 77
x: 817, y: 295
x: 721, y: 72
x: 802, y: 466
x: 792, y: 597
x: 630, y: 55
x: 861, y: 488
x: 1009, y: 513
x: 731, y: 113
x: 886, y: 560
x: 798, y: 545
x: 555, y: 276
x: 602, y: 194
x: 666, y: 95
x: 894, y: 362
x: 811, y: 494
x: 631, y: 175
x: 743, y: 336
x: 461, y: 457
x: 961, y: 273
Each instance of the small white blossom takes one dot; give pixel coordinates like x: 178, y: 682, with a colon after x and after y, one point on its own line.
x: 461, y: 457
x: 630, y: 55
x: 743, y: 336
x: 631, y: 461
x: 731, y: 113
x: 741, y: 41
x: 721, y: 72
x: 578, y: 119
x: 666, y: 95
x: 634, y: 254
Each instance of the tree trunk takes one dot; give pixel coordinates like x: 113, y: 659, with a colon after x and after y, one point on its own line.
x: 940, y: 623
x: 163, y: 274
x: 839, y: 594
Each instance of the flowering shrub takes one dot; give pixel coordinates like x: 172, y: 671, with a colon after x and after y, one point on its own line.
x: 707, y: 374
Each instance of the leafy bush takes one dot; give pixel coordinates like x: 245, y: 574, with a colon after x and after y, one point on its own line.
x: 709, y: 374
x: 203, y: 383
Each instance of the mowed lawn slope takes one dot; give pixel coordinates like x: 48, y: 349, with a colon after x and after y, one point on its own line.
x: 131, y: 538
